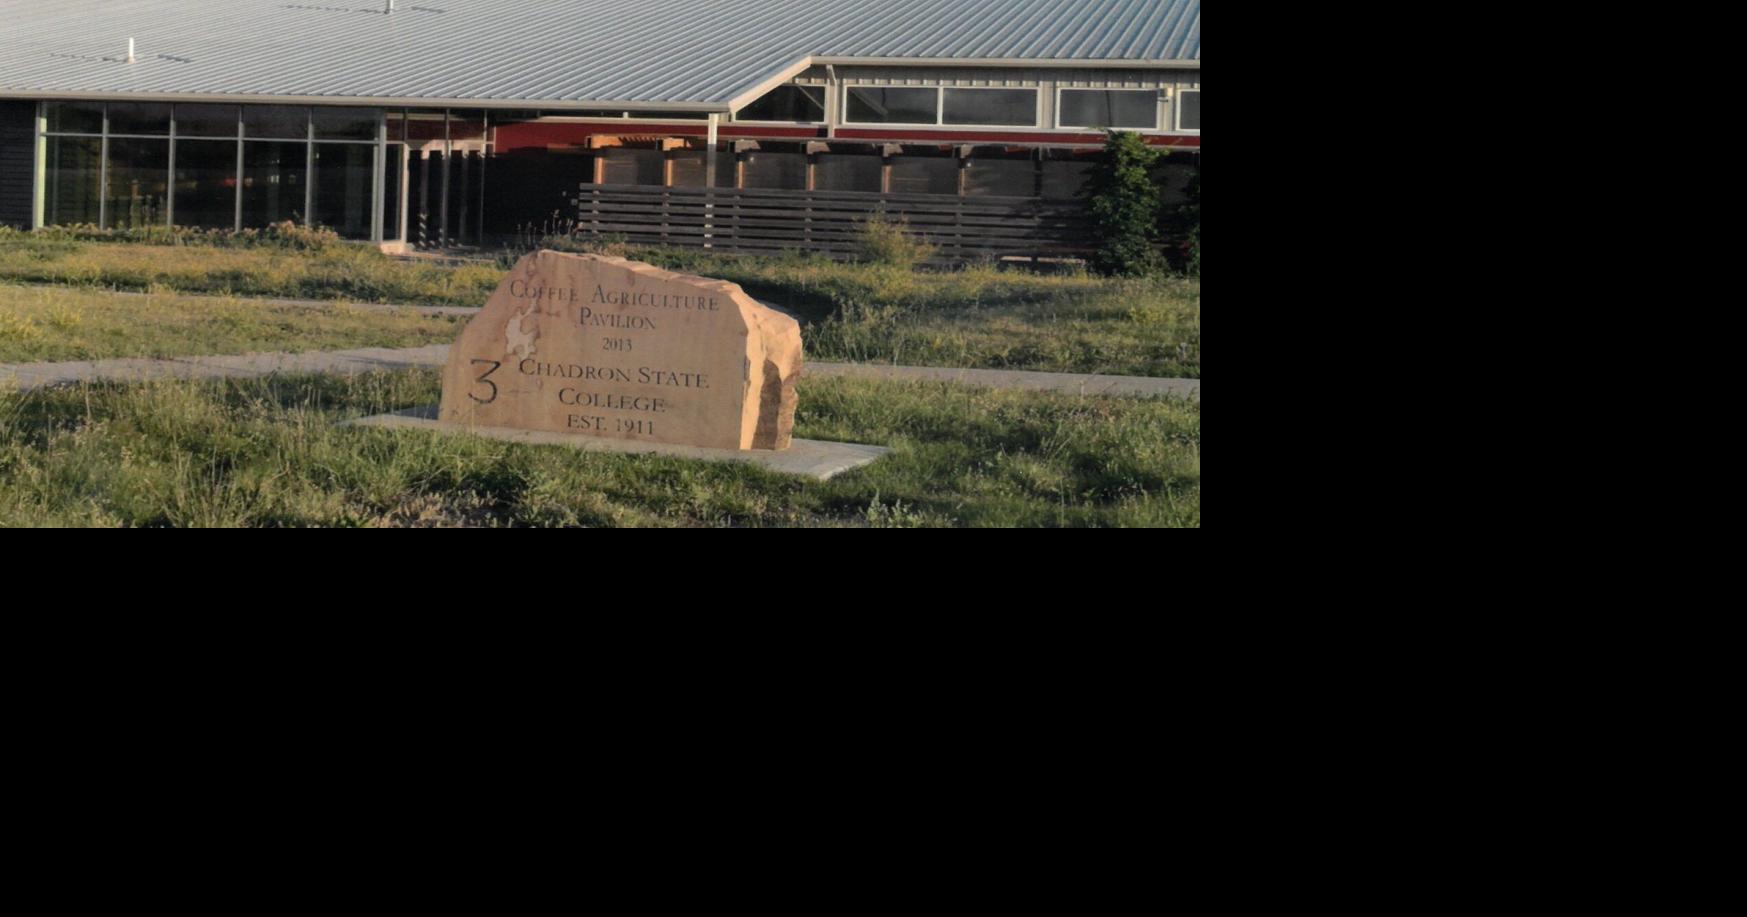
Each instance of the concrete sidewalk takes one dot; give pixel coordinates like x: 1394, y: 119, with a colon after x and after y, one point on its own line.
x: 28, y: 376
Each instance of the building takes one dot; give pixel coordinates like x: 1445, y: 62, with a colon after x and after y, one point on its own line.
x: 455, y: 121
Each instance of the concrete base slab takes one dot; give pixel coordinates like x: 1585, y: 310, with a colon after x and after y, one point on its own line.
x: 810, y: 458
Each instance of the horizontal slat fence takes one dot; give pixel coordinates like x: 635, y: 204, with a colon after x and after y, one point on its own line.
x: 829, y: 222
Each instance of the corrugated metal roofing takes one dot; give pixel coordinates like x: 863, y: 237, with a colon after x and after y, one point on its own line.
x: 648, y: 52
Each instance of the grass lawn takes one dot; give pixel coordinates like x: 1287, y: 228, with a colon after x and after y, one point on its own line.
x: 265, y: 452
x: 979, y: 317
x: 57, y: 324
x: 345, y: 272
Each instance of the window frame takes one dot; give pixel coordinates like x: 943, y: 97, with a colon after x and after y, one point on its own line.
x: 1177, y: 111
x: 1036, y: 114
x: 824, y: 108
x: 939, y: 106
x: 174, y: 138
x: 1061, y: 126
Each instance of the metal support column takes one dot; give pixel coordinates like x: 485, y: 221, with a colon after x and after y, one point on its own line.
x: 309, y: 176
x: 379, y: 193
x: 710, y: 181
x: 40, y: 182
x: 103, y: 175
x: 170, y: 188
x: 448, y: 155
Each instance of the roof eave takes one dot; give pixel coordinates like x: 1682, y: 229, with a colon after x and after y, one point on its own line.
x: 359, y: 101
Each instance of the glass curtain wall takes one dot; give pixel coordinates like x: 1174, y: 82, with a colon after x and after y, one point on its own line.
x: 131, y: 165
x: 445, y: 181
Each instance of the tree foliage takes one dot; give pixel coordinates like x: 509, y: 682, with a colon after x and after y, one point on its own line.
x: 1126, y: 205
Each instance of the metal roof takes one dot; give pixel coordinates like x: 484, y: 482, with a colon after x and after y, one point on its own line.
x: 705, y: 54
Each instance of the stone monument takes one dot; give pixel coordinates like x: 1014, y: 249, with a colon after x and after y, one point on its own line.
x: 603, y: 354
x: 596, y: 346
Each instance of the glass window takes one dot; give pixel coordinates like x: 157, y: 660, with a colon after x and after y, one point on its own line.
x: 207, y: 120
x: 1189, y: 110
x: 343, y: 190
x: 346, y: 123
x: 274, y: 177
x: 1015, y: 107
x: 466, y: 125
x: 391, y: 208
x: 1101, y: 108
x: 139, y: 118
x: 139, y: 183
x: 206, y: 182
x: 75, y: 117
x: 869, y: 105
x: 787, y: 103
x: 425, y: 125
x: 276, y: 122
x: 73, y: 181
x: 464, y: 169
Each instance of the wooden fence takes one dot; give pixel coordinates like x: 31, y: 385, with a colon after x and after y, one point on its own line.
x: 829, y: 222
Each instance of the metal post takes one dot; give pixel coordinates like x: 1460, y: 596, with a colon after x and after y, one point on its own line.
x: 710, y: 156
x: 710, y: 182
x: 39, y: 193
x: 466, y: 197
x: 379, y: 193
x: 170, y: 188
x: 309, y: 167
x: 424, y: 237
x: 103, y: 174
x: 242, y: 174
x: 448, y: 155
x: 484, y: 160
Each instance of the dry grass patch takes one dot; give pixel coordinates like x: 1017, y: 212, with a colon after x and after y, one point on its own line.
x: 53, y: 324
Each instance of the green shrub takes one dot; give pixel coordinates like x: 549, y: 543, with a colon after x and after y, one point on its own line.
x: 1125, y: 205
x: 883, y: 240
x: 1188, y: 222
x: 528, y: 241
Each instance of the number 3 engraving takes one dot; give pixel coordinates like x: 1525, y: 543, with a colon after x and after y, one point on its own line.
x: 486, y: 378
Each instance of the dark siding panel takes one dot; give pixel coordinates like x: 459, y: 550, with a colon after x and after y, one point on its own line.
x: 17, y: 162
